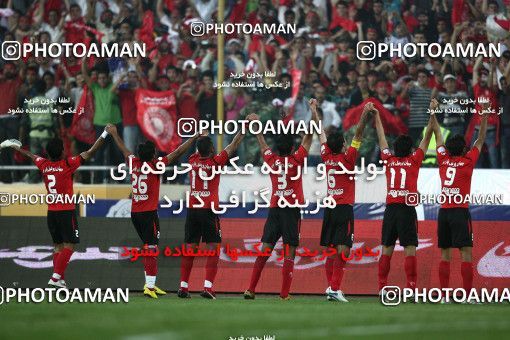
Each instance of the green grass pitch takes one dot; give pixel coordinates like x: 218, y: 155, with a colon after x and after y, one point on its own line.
x: 303, y: 317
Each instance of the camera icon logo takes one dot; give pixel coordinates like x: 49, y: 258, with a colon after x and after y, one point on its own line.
x: 391, y: 295
x: 412, y: 199
x: 11, y: 50
x: 186, y: 127
x: 197, y: 29
x: 5, y: 199
x: 366, y: 50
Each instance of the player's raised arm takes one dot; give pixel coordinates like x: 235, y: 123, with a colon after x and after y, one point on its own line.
x: 86, y: 155
x: 181, y: 150
x: 315, y: 117
x: 483, y: 130
x: 260, y: 136
x: 112, y: 130
x: 437, y: 130
x: 383, y: 144
x: 16, y: 144
x: 424, y: 144
x: 369, y: 107
x: 232, y: 147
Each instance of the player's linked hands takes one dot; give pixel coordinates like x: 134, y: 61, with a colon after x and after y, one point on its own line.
x: 11, y: 143
x: 434, y: 104
x: 252, y: 117
x: 369, y: 107
x: 111, y: 129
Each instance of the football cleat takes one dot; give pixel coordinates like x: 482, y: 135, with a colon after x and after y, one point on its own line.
x: 286, y: 298
x: 158, y: 291
x: 150, y: 293
x: 337, y: 296
x: 328, y: 290
x: 208, y: 294
x: 57, y: 284
x: 249, y: 295
x: 183, y: 294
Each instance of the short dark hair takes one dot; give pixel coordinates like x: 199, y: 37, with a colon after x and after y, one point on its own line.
x: 55, y: 148
x: 403, y: 146
x: 204, y: 146
x: 146, y: 151
x: 456, y: 145
x: 208, y: 74
x: 336, y: 142
x: 284, y: 144
x: 40, y: 87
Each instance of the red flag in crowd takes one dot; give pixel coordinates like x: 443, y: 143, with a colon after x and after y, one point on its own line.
x: 392, y: 124
x: 157, y: 117
x: 146, y: 32
x: 82, y: 127
x: 296, y: 82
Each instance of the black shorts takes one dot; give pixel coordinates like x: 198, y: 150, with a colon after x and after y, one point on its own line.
x: 454, y: 229
x: 147, y: 226
x: 63, y: 226
x: 400, y: 222
x: 338, y: 226
x: 202, y: 225
x: 284, y: 223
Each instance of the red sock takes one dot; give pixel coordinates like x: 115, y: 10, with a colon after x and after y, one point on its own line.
x: 329, y: 268
x: 150, y: 264
x: 288, y: 267
x: 410, y: 269
x: 257, y: 270
x: 384, y: 269
x: 338, y: 273
x: 211, y: 267
x: 444, y: 274
x: 466, y: 269
x: 62, y: 261
x: 186, y: 265
x: 55, y: 259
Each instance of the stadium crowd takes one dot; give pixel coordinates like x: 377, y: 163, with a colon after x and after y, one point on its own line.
x: 323, y: 49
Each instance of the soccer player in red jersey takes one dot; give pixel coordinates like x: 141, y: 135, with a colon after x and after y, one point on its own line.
x: 57, y: 173
x: 338, y: 224
x: 287, y: 188
x: 202, y: 223
x: 454, y: 228
x: 400, y: 220
x: 145, y: 198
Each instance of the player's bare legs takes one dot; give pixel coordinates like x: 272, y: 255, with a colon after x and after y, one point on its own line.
x: 260, y: 262
x: 410, y: 266
x: 384, y: 265
x: 211, y: 268
x: 336, y: 294
x: 466, y: 268
x: 60, y: 264
x: 186, y: 265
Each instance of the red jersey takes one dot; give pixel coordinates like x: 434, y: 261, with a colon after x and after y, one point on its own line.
x: 145, y: 187
x: 401, y: 175
x: 484, y: 92
x: 340, y: 186
x: 455, y: 173
x: 58, y: 180
x: 207, y: 190
x: 283, y: 184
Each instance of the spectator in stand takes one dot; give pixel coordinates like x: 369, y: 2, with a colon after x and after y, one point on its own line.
x: 419, y: 94
x: 331, y: 119
x: 10, y: 85
x: 106, y: 110
x: 125, y: 88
